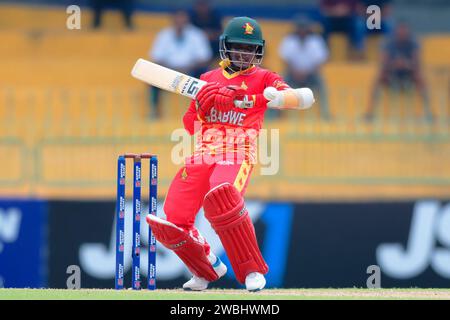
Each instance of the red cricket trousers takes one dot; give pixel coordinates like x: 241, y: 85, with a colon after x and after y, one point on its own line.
x: 191, y: 183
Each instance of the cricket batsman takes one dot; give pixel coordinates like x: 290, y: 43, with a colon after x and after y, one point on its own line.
x: 216, y: 175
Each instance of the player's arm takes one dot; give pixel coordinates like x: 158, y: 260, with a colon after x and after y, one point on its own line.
x: 280, y: 96
x: 301, y: 98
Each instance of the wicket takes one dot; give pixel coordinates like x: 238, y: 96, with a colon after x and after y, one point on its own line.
x: 120, y: 220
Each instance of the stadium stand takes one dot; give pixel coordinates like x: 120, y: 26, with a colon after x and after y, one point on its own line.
x: 68, y: 104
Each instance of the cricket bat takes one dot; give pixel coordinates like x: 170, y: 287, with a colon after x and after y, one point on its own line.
x: 167, y: 79
x: 174, y: 81
x: 171, y: 80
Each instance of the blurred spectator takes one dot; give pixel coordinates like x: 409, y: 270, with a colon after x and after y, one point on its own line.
x: 125, y: 6
x: 181, y: 47
x: 342, y: 16
x: 209, y: 20
x: 400, y: 67
x: 304, y: 53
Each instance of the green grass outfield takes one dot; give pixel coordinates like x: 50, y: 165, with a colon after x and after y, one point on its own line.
x: 216, y: 294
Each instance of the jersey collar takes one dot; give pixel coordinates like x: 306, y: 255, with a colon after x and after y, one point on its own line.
x: 237, y: 73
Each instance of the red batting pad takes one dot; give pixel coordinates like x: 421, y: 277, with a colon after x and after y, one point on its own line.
x: 225, y: 210
x: 188, y: 249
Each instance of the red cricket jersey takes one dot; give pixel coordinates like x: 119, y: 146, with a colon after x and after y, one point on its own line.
x: 235, y: 130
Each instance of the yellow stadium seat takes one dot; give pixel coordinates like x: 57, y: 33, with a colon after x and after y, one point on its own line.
x: 436, y: 50
x: 61, y: 88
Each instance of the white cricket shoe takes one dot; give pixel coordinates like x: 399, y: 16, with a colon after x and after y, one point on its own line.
x: 255, y: 281
x: 198, y: 283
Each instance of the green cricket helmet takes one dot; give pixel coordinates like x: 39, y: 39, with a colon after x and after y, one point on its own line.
x: 242, y: 30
